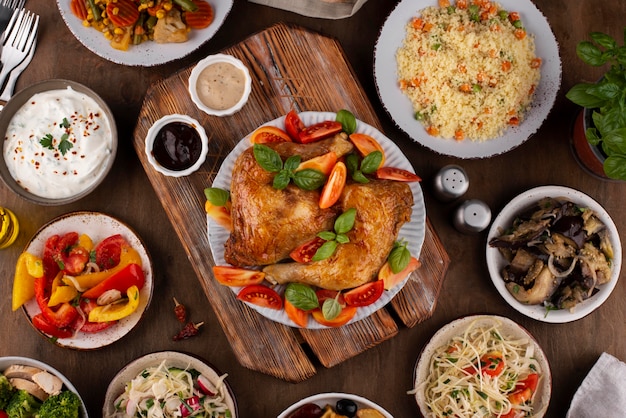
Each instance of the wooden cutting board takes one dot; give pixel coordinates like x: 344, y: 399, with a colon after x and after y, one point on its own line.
x: 291, y: 68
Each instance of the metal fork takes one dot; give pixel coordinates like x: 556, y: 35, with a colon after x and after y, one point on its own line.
x: 6, y: 11
x: 22, y: 32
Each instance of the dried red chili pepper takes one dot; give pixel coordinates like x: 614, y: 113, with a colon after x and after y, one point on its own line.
x: 188, y: 331
x: 180, y: 311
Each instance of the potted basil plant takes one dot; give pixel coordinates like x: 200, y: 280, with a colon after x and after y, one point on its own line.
x: 604, y: 107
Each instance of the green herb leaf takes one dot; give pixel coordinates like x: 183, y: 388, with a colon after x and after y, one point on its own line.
x: 331, y: 309
x: 399, y: 257
x: 217, y: 196
x: 65, y: 124
x: 580, y: 95
x: 282, y: 179
x: 345, y: 221
x: 327, y: 235
x: 47, y: 141
x: 342, y: 239
x: 352, y: 162
x: 309, y: 179
x: 301, y: 296
x: 292, y: 163
x: 359, y: 177
x: 267, y: 158
x: 65, y: 145
x: 326, y: 250
x: 590, y: 54
x: 371, y: 162
x: 347, y: 120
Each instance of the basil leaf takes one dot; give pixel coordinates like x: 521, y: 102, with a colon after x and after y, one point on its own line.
x: 347, y: 120
x: 359, y: 177
x: 282, y: 179
x: 301, y: 296
x: 331, y: 309
x: 327, y: 235
x: 292, y: 163
x: 371, y: 162
x: 352, y: 163
x: 345, y: 221
x: 604, y: 40
x: 579, y: 94
x: 590, y: 54
x: 399, y: 258
x: 267, y: 158
x: 342, y: 239
x: 309, y: 179
x: 217, y: 197
x: 615, y: 167
x: 326, y: 250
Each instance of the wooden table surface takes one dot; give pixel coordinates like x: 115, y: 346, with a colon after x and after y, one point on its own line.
x: 382, y: 373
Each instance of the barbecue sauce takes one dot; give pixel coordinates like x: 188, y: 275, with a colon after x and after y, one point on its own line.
x: 177, y: 146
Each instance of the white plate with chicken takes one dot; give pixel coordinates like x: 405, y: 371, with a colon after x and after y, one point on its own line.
x: 268, y: 224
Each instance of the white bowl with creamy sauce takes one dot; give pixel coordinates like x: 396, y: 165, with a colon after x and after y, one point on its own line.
x: 176, y: 145
x: 220, y: 85
x: 59, y: 142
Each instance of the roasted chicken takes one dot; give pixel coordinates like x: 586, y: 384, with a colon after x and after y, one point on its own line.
x: 269, y: 223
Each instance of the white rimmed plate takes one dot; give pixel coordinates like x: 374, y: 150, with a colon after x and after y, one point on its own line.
x: 324, y: 399
x: 507, y: 328
x: 399, y: 107
x: 5, y: 362
x: 173, y: 359
x: 148, y: 53
x: 98, y: 226
x: 413, y: 231
x: 496, y: 262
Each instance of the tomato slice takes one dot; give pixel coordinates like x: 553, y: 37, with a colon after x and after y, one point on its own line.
x: 319, y: 131
x: 397, y: 174
x: 109, y: 250
x: 200, y: 18
x: 305, y: 252
x: 268, y: 135
x: 122, y: 13
x: 298, y: 316
x: 235, y: 276
x: 365, y: 294
x: 343, y: 318
x: 79, y: 9
x: 323, y: 163
x: 220, y: 214
x: 260, y: 295
x: 323, y: 294
x: 392, y: 279
x: 334, y: 185
x: 293, y: 125
x: 530, y: 382
x: 366, y: 144
x: 491, y: 364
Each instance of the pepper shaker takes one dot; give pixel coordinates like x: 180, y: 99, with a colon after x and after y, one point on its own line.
x: 450, y: 183
x: 472, y: 216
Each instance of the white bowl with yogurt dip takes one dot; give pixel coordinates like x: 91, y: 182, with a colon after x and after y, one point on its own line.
x: 220, y: 85
x: 59, y: 142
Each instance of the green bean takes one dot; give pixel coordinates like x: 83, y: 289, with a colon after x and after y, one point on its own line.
x: 95, y: 9
x: 187, y: 5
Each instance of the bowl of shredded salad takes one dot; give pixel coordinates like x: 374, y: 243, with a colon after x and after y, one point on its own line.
x: 482, y: 365
x: 169, y: 384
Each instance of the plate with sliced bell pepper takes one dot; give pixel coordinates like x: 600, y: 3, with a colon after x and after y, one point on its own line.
x: 84, y: 280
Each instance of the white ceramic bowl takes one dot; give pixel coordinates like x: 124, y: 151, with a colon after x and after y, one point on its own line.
x: 324, y: 399
x: 23, y: 97
x: 203, y: 64
x: 507, y: 328
x: 174, y: 359
x: 496, y: 262
x: 5, y: 362
x: 153, y: 132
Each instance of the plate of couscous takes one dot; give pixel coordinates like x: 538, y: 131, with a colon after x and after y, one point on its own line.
x: 467, y: 78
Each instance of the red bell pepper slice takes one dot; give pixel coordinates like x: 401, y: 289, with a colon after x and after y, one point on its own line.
x: 60, y: 317
x: 39, y: 321
x: 130, y: 275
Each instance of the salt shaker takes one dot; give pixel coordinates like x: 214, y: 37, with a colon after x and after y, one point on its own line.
x: 450, y: 183
x: 472, y: 216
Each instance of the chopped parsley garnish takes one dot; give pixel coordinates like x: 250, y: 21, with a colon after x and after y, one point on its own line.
x: 64, y: 144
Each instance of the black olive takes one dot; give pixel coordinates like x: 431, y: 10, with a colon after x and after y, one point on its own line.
x: 346, y: 407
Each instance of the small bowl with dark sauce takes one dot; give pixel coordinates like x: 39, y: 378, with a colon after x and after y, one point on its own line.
x: 176, y: 145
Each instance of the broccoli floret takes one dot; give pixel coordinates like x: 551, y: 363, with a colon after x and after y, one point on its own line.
x: 6, y: 392
x: 22, y: 405
x: 64, y: 405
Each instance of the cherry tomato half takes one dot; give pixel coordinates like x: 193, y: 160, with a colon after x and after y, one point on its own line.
x: 293, y: 125
x: 319, y: 131
x: 109, y: 250
x: 260, y: 295
x: 343, y: 318
x: 323, y: 163
x: 235, y: 276
x: 397, y: 174
x: 298, y: 316
x: 334, y: 186
x: 268, y: 135
x: 365, y: 294
x: 305, y: 252
x: 323, y: 294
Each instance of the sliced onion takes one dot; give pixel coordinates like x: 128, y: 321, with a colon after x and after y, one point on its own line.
x: 74, y: 282
x: 558, y: 273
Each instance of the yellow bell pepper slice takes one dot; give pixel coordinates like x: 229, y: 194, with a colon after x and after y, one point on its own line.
x: 116, y: 311
x: 27, y: 269
x: 86, y: 242
x: 86, y: 281
x: 61, y: 293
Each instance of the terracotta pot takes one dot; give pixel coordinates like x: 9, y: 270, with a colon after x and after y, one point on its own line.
x: 590, y: 157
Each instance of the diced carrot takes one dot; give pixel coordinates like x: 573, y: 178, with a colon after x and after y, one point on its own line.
x: 461, y: 4
x: 404, y: 84
x: 492, y: 53
x: 535, y: 63
x: 432, y: 130
x: 444, y: 3
x: 427, y: 26
x: 519, y: 34
x: 459, y: 135
x: 465, y: 88
x: 514, y: 121
x: 513, y: 16
x: 417, y: 23
x: 506, y: 65
x: 462, y: 69
x: 531, y: 90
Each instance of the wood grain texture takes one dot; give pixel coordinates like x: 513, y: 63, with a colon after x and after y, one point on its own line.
x: 291, y: 68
